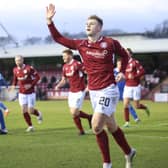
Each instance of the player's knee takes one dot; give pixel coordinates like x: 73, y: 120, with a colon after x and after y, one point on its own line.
x: 74, y: 114
x: 96, y: 129
x: 112, y: 129
x: 31, y: 112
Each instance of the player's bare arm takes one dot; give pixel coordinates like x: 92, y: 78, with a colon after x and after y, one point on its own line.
x: 130, y: 76
x: 61, y: 83
x: 11, y: 88
x: 50, y: 12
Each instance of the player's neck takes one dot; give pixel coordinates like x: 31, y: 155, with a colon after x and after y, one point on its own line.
x: 94, y: 38
x: 21, y: 66
x: 70, y: 61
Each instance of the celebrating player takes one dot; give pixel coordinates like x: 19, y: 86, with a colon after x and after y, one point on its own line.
x: 132, y: 90
x: 97, y: 54
x: 73, y: 71
x: 26, y: 77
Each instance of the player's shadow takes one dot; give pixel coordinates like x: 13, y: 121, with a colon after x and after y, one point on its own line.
x: 47, y: 131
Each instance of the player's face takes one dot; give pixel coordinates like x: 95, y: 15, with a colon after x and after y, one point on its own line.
x: 19, y: 61
x: 92, y: 27
x: 66, y: 57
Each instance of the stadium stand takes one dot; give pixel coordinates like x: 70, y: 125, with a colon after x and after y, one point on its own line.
x: 152, y: 53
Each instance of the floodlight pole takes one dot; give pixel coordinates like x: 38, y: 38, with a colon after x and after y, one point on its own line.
x: 10, y: 36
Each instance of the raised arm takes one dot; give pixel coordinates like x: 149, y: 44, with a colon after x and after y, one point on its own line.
x: 50, y: 12
x: 57, y: 36
x: 140, y: 70
x: 35, y: 76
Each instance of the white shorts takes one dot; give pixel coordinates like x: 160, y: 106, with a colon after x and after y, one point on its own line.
x: 105, y: 100
x: 75, y: 100
x: 27, y: 99
x: 132, y: 92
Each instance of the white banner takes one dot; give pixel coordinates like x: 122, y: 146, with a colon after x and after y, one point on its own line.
x: 161, y: 97
x: 57, y: 94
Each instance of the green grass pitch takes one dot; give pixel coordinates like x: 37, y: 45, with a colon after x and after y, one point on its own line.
x: 55, y: 143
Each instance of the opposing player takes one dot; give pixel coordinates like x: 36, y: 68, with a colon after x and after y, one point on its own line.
x: 73, y: 72
x: 121, y: 85
x: 132, y: 90
x: 3, y: 82
x: 4, y: 109
x: 97, y: 54
x: 26, y: 77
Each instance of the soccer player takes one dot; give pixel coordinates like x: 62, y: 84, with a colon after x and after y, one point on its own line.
x: 3, y: 81
x: 73, y: 72
x: 26, y: 77
x: 121, y: 85
x: 132, y: 90
x: 97, y: 54
x: 4, y: 109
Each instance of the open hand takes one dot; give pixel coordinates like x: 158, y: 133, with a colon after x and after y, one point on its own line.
x: 50, y: 11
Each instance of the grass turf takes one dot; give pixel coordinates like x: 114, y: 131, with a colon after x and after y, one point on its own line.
x: 56, y: 144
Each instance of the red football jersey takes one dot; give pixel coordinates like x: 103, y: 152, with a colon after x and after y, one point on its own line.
x: 97, y: 57
x: 135, y: 69
x: 23, y: 76
x: 74, y: 72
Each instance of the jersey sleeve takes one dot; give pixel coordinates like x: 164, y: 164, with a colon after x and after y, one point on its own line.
x: 120, y: 51
x: 59, y: 38
x: 14, y: 82
x: 139, y: 70
x: 79, y: 66
x: 63, y: 71
x: 35, y: 76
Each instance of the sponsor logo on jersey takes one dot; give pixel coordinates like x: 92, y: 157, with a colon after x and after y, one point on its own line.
x: 22, y: 78
x: 97, y: 54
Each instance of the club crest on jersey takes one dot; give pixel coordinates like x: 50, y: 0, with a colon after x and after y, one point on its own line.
x: 70, y: 71
x: 24, y: 71
x: 103, y: 45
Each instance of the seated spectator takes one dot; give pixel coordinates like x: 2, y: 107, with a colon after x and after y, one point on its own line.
x: 44, y: 79
x: 53, y: 79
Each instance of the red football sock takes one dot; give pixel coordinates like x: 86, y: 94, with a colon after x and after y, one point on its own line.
x: 35, y: 112
x: 121, y: 141
x: 102, y: 141
x: 84, y: 115
x: 141, y: 106
x: 78, y: 124
x: 27, y: 118
x: 126, y: 114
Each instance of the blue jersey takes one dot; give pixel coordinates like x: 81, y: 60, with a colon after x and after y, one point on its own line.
x: 120, y: 84
x: 3, y: 81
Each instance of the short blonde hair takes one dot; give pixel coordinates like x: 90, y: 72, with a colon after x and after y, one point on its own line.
x: 19, y: 57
